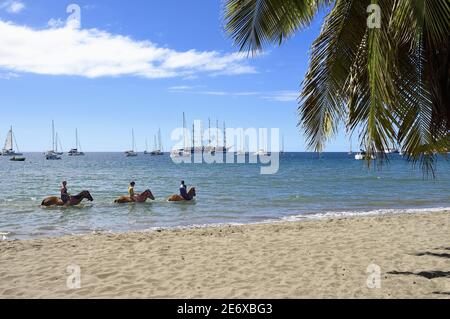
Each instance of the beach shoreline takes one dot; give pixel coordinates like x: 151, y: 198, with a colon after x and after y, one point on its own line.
x: 325, y: 258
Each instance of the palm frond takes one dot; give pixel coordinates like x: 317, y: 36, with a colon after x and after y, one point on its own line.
x: 323, y: 98
x: 255, y: 23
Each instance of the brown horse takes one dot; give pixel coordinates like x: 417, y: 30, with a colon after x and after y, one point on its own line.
x: 178, y: 198
x: 73, y: 201
x: 141, y: 198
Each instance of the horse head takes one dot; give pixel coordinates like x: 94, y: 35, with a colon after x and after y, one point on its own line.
x: 148, y: 193
x: 87, y: 195
x: 192, y: 192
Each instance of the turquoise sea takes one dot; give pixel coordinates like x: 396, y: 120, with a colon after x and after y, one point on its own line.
x: 306, y: 186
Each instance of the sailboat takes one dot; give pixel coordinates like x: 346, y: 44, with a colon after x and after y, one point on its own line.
x: 51, y: 155
x: 262, y: 151
x: 77, y: 150
x: 8, y: 149
x: 351, y: 146
x: 157, y: 151
x: 282, y: 144
x: 184, y: 152
x: 241, y: 151
x: 146, y: 152
x: 132, y: 153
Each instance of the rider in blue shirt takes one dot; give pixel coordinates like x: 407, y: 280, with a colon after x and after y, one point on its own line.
x: 183, y: 191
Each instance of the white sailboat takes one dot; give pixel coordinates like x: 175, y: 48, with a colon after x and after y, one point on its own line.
x: 241, y: 151
x: 262, y: 151
x: 77, y: 150
x: 132, y: 152
x: 157, y: 150
x: 51, y: 155
x: 8, y: 149
x: 363, y: 156
x: 184, y: 152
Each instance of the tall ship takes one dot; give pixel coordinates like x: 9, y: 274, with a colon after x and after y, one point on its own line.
x: 77, y: 150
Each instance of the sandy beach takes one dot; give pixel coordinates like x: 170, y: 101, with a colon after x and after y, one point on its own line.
x: 310, y: 259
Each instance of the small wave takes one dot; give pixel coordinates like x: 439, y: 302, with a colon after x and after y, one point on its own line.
x: 375, y: 212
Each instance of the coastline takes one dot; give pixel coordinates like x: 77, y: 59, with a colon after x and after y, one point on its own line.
x: 325, y: 258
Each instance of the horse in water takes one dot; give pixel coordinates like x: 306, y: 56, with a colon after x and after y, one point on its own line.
x: 73, y: 201
x: 179, y: 198
x: 141, y: 198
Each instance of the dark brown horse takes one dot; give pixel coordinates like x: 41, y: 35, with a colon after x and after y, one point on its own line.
x: 73, y: 201
x: 179, y: 198
x: 141, y: 198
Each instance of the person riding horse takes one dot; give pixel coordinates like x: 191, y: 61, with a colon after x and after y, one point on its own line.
x: 183, y: 192
x: 131, y: 191
x: 65, y: 197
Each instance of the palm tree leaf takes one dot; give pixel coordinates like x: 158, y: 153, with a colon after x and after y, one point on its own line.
x: 255, y: 23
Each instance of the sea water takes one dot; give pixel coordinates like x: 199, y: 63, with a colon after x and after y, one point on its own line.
x: 306, y: 186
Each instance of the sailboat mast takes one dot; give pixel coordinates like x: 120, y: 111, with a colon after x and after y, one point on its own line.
x: 193, y: 136
x: 209, y: 132
x: 132, y: 136
x: 56, y: 145
x: 159, y: 140
x: 11, y: 136
x: 217, y: 129
x: 53, y: 135
x: 224, y: 136
x: 184, y: 132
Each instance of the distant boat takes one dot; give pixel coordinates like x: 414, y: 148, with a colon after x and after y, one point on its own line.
x: 132, y: 152
x: 282, y: 144
x: 157, y: 150
x: 18, y: 159
x: 185, y: 151
x: 262, y: 151
x: 77, y: 150
x: 8, y: 149
x: 363, y: 156
x: 241, y: 151
x: 351, y: 146
x: 52, y: 155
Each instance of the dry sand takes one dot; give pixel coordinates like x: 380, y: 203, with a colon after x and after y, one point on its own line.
x: 318, y: 259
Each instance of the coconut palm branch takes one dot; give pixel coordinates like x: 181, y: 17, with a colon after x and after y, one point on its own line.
x: 391, y: 83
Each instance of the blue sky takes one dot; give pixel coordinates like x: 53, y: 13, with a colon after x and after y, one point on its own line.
x: 139, y: 66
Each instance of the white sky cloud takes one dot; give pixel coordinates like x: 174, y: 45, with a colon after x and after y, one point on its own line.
x: 278, y: 96
x: 12, y: 6
x: 65, y: 50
